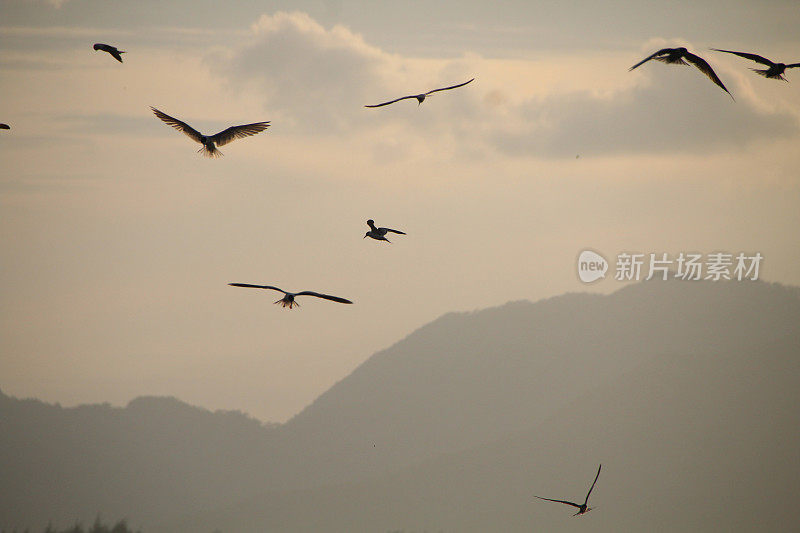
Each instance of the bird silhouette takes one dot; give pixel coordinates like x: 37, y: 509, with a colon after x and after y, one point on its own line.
x: 676, y: 56
x: 5, y: 127
x: 774, y: 70
x: 421, y: 97
x: 210, y: 142
x: 582, y: 507
x: 288, y: 297
x: 379, y: 234
x: 111, y: 50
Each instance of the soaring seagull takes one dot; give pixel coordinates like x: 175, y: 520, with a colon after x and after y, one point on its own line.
x: 421, y: 97
x: 676, y: 56
x: 379, y: 234
x: 582, y: 508
x: 775, y: 70
x: 110, y: 49
x: 288, y: 297
x: 211, y: 142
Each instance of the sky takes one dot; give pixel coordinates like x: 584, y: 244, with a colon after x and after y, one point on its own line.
x: 118, y: 240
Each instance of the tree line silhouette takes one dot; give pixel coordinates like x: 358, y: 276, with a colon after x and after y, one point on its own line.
x: 98, y: 527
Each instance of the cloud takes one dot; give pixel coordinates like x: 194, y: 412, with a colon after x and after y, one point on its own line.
x: 55, y: 3
x: 45, y: 46
x: 674, y: 110
x: 317, y: 80
x: 305, y: 72
x: 658, y: 109
x: 656, y: 121
x: 107, y: 124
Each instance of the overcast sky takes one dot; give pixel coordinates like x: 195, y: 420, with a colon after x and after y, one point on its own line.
x: 118, y: 239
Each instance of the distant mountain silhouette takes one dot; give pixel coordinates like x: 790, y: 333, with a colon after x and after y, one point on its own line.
x: 468, y: 378
x: 685, y: 391
x: 158, y: 456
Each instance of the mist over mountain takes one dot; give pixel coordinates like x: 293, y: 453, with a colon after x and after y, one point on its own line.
x: 150, y: 459
x: 685, y: 391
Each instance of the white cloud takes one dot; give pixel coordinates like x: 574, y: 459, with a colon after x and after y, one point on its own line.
x: 676, y: 110
x: 315, y: 79
x: 305, y: 72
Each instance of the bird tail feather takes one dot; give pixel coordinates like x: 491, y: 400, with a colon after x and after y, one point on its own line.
x: 765, y: 72
x: 210, y: 152
x: 285, y: 303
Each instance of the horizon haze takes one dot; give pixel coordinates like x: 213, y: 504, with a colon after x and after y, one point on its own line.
x: 597, y: 265
x: 119, y: 239
x: 678, y: 387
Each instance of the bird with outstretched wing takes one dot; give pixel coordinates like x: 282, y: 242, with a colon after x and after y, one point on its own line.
x: 210, y: 142
x: 676, y: 56
x: 421, y: 97
x: 115, y: 53
x: 773, y: 70
x: 583, y: 508
x: 379, y: 234
x: 288, y: 297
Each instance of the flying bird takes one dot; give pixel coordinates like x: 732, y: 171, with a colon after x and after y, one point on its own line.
x: 210, y: 142
x: 110, y: 49
x: 582, y: 508
x: 676, y: 56
x: 379, y: 234
x: 775, y: 70
x: 5, y: 127
x: 421, y: 97
x: 288, y: 297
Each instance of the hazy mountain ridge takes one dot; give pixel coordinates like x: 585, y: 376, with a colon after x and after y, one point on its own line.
x: 699, y: 442
x: 82, y: 460
x: 482, y: 374
x: 416, y: 430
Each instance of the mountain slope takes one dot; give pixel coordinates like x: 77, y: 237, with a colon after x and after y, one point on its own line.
x: 469, y: 378
x: 416, y: 429
x: 157, y: 455
x: 698, y: 442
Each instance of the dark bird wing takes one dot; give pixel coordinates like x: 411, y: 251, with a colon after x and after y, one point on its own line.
x: 559, y: 501
x: 325, y: 296
x: 237, y: 132
x: 394, y: 231
x: 392, y: 101
x: 117, y: 54
x: 451, y: 87
x: 110, y: 49
x: 179, y: 125
x: 651, y: 56
x: 754, y: 57
x: 593, y: 483
x: 257, y: 287
x: 706, y: 69
x: 793, y: 65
